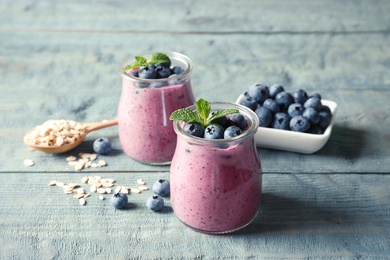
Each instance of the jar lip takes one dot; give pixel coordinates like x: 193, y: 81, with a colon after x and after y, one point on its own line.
x: 248, y: 113
x: 172, y: 55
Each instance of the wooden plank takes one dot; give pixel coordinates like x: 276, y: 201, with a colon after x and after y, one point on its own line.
x: 67, y: 75
x: 302, y: 216
x: 246, y: 16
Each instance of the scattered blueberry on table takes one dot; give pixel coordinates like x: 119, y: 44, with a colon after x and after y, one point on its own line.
x: 119, y: 200
x: 102, y: 145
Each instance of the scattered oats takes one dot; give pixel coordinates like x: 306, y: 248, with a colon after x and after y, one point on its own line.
x: 28, y: 162
x: 73, y: 163
x: 95, y: 165
x: 101, y: 190
x: 80, y: 191
x: 60, y: 183
x: 98, y: 178
x: 82, y: 201
x: 140, y: 181
x: 93, y: 188
x: 78, y: 167
x: 118, y: 189
x: 78, y: 196
x: 71, y: 158
x: 108, y: 190
x: 87, y: 195
x: 68, y: 191
x: 52, y: 183
x: 88, y: 164
x: 98, y: 184
x: 73, y: 185
x: 85, y: 155
x: 102, y: 163
x: 101, y: 197
x: 111, y: 180
x: 84, y: 179
x: 93, y: 157
x: 135, y: 191
x: 108, y: 184
x: 124, y: 191
x: 143, y: 188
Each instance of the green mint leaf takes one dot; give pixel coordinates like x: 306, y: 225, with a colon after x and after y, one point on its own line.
x: 186, y: 115
x: 128, y: 67
x: 203, y: 107
x: 221, y: 113
x: 158, y: 58
x: 139, y: 61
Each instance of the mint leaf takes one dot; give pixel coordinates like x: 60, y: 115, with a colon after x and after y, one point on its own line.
x: 203, y: 107
x: 186, y: 115
x: 158, y: 58
x: 221, y: 113
x: 139, y: 61
x: 128, y: 67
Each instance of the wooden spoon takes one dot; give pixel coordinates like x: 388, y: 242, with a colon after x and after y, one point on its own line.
x: 89, y: 127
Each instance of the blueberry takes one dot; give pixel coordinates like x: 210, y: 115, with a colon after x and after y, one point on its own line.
x: 312, y: 115
x: 177, y: 70
x: 161, y: 187
x: 147, y: 72
x: 281, y: 121
x: 232, y: 131
x: 194, y: 129
x: 313, y: 102
x: 300, y: 96
x: 134, y: 73
x: 299, y: 124
x: 259, y: 92
x: 157, y: 84
x: 315, y: 129
x: 326, y: 109
x: 119, y: 200
x: 275, y: 89
x: 102, y: 145
x: 284, y: 99
x: 162, y: 72
x: 222, y: 121
x: 213, y: 131
x: 271, y: 105
x: 155, y: 203
x: 237, y: 120
x: 264, y: 115
x: 248, y: 101
x: 295, y: 109
x: 317, y: 95
x: 325, y: 119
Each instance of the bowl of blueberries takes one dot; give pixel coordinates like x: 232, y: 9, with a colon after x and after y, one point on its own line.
x: 289, y: 121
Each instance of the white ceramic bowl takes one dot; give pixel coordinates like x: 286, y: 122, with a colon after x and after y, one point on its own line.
x: 294, y: 141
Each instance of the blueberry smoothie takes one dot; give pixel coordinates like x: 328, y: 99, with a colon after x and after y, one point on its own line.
x: 146, y: 134
x: 216, y: 184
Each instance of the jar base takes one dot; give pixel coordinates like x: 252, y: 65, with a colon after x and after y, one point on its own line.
x: 219, y: 232
x: 152, y: 163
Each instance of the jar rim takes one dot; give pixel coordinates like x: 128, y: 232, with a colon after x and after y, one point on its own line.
x: 174, y: 56
x: 250, y: 132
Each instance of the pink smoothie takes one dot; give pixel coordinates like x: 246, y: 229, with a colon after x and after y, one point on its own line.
x: 215, y: 190
x: 145, y: 131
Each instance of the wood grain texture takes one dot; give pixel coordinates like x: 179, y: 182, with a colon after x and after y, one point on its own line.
x: 302, y: 216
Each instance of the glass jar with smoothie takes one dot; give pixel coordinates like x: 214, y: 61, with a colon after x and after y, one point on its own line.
x: 216, y: 184
x: 146, y: 134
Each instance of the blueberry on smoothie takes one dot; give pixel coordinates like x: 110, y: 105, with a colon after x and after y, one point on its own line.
x: 237, y: 120
x: 222, y: 121
x: 177, y: 70
x: 194, y: 129
x: 162, y: 72
x: 161, y: 187
x: 147, y: 72
x: 299, y: 124
x: 213, y: 131
x: 232, y: 131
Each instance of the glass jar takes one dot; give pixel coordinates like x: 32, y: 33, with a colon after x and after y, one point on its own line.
x: 216, y: 184
x: 146, y: 134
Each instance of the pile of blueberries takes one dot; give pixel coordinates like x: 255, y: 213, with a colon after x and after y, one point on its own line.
x: 157, y: 71
x: 279, y: 109
x: 224, y: 127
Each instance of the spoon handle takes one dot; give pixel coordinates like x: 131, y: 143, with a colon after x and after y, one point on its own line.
x: 99, y: 125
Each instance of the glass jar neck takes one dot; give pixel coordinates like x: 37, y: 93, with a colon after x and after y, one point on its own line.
x: 251, y: 117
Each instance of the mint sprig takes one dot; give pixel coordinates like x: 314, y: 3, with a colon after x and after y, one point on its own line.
x: 202, y: 114
x: 157, y: 58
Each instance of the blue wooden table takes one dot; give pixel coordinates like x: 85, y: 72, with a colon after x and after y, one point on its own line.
x: 61, y: 59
